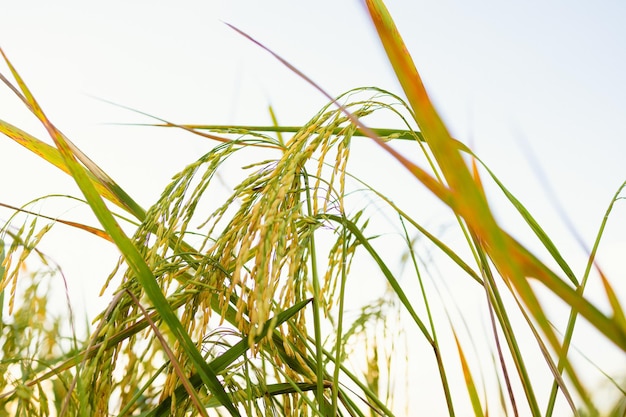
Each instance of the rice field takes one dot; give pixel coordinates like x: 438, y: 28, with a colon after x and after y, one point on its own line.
x: 280, y: 275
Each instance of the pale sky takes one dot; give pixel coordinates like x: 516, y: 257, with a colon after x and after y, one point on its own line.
x: 544, y: 75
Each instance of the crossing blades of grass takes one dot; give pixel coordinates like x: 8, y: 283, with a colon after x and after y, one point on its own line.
x: 514, y: 262
x: 227, y: 358
x: 129, y: 251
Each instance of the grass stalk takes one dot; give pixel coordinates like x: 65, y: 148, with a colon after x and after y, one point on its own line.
x: 317, y: 321
x: 339, y: 339
x: 571, y: 321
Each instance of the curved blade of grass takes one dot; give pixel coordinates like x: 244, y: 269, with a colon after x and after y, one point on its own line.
x: 131, y: 254
x: 86, y: 228
x: 469, y: 379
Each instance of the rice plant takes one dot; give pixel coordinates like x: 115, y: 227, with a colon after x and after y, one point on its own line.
x: 310, y: 286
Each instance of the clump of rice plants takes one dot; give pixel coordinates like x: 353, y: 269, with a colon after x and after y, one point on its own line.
x: 256, y: 301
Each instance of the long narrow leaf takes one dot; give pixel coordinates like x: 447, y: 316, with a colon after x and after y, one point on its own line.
x: 76, y: 225
x: 53, y: 156
x: 381, y: 132
x: 469, y: 379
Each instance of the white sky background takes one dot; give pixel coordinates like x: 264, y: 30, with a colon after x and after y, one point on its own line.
x: 548, y: 75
